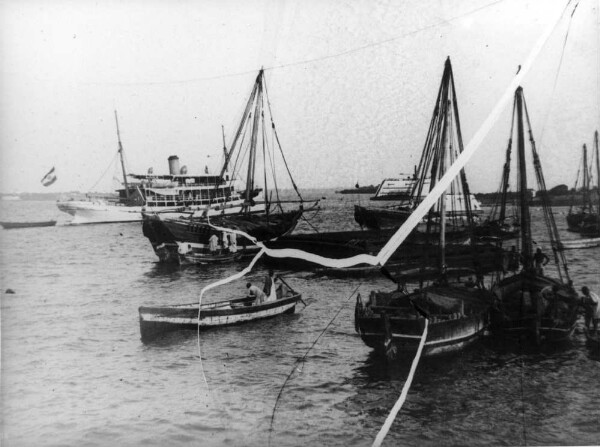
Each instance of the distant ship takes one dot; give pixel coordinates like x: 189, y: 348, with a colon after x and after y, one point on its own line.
x: 395, y: 188
x: 359, y: 190
x: 206, y: 194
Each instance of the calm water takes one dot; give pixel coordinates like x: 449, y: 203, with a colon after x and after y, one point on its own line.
x: 74, y: 371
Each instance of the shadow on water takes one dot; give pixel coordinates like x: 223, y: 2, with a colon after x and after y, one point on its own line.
x: 218, y: 337
x: 164, y: 270
x: 174, y: 271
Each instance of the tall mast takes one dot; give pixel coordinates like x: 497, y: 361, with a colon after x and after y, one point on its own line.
x: 506, y: 170
x: 121, y: 156
x: 242, y: 122
x: 226, y: 160
x: 254, y: 137
x: 586, y: 181
x: 443, y: 153
x: 597, y: 175
x: 526, y: 249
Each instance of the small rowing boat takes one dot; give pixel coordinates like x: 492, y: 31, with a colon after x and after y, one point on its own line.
x: 157, y: 320
x: 579, y: 243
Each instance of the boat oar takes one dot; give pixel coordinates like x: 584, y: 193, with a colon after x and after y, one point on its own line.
x: 293, y: 291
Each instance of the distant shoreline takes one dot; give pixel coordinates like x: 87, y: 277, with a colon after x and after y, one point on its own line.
x: 486, y: 199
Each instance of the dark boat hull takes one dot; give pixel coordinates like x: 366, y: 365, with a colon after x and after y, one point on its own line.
x: 15, y: 225
x: 577, y: 221
x: 380, y: 218
x: 516, y: 315
x: 166, y: 235
x: 390, y: 325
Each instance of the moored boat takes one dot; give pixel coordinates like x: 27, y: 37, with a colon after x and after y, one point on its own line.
x: 167, y: 232
x: 158, y: 320
x: 530, y: 304
x: 586, y: 218
x: 187, y: 239
x: 574, y: 244
x: 459, y: 205
x: 393, y: 323
x: 14, y: 225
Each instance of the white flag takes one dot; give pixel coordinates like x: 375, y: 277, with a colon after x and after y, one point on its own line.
x: 49, y: 178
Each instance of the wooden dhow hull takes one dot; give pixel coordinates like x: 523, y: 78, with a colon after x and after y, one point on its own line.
x: 393, y: 323
x: 526, y: 316
x: 169, y: 235
x: 158, y: 320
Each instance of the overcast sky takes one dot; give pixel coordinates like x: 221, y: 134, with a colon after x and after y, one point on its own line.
x: 352, y: 84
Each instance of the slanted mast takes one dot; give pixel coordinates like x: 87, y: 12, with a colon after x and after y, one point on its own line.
x: 121, y: 157
x: 251, y: 138
x: 442, y: 146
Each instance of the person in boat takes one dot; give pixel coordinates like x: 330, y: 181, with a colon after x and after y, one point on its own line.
x: 549, y: 300
x: 511, y: 260
x: 232, y: 243
x: 268, y: 282
x: 259, y: 295
x: 275, y: 290
x: 540, y: 260
x: 213, y: 243
x: 591, y: 304
x: 224, y: 241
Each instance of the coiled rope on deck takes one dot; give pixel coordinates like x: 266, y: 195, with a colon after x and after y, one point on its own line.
x: 398, y: 405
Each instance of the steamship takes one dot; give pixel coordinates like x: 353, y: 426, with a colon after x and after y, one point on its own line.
x: 177, y: 191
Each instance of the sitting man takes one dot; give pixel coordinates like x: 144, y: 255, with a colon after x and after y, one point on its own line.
x: 255, y: 292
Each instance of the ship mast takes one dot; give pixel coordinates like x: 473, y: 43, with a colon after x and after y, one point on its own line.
x: 121, y: 157
x: 586, y: 181
x: 597, y: 176
x: 253, y: 140
x: 526, y: 249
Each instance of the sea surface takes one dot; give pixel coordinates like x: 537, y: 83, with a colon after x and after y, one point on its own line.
x: 75, y: 373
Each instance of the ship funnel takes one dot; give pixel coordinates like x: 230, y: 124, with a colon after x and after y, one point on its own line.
x: 174, y: 165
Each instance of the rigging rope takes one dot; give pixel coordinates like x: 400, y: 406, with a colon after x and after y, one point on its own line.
x: 562, y: 54
x: 278, y: 143
x: 398, y: 405
x: 303, y: 358
x: 313, y: 60
x: 112, y: 162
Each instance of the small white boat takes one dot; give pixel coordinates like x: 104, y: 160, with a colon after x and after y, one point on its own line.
x: 579, y: 243
x: 157, y: 320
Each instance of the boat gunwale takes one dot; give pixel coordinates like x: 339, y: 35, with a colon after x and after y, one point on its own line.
x: 208, y: 310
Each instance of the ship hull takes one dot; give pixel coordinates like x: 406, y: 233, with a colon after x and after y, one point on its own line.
x: 94, y: 212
